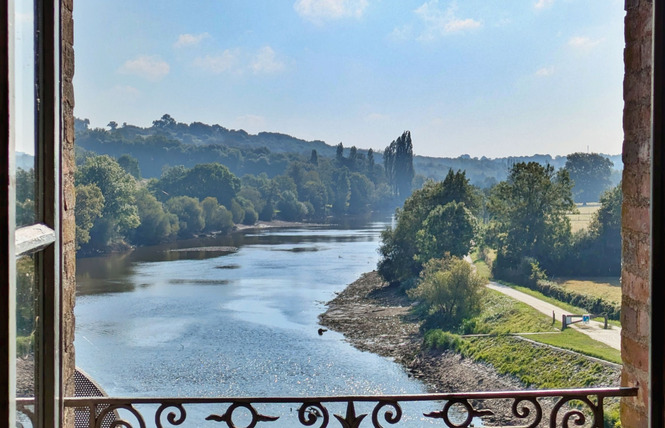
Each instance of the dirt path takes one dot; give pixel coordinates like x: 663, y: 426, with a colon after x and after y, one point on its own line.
x: 595, y: 330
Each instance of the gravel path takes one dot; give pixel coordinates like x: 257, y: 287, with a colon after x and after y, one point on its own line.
x: 595, y: 330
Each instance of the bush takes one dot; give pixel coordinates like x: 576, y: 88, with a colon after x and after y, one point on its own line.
x: 440, y: 340
x: 450, y: 290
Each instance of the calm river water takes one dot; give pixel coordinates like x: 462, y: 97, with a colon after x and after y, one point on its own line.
x: 156, y: 322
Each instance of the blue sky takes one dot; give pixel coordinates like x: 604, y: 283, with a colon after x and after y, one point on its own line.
x: 481, y: 77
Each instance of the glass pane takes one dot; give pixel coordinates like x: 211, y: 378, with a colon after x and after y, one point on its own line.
x: 26, y: 332
x: 24, y: 78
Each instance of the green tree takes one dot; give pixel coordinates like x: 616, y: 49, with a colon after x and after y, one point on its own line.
x: 597, y: 250
x: 217, y: 217
x: 120, y: 213
x: 450, y: 290
x: 130, y: 165
x: 201, y: 181
x: 360, y: 195
x: 590, y: 173
x: 341, y: 189
x: 529, y: 216
x: 399, y: 250
x: 89, y: 206
x: 190, y: 215
x: 447, y: 229
x: 398, y: 164
x: 290, y: 209
x: 157, y: 225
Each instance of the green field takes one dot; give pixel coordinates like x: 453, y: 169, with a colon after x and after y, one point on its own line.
x: 607, y: 288
x: 583, y: 217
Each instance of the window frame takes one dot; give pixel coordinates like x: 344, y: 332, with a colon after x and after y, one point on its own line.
x: 43, y: 237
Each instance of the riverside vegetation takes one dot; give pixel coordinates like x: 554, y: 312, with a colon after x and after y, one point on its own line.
x: 518, y: 230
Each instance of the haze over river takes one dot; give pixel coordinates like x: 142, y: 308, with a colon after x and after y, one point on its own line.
x: 161, y: 323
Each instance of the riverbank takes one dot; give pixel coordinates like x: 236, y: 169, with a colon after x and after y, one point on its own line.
x: 376, y: 318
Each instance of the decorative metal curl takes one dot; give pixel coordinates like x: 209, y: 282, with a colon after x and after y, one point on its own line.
x: 470, y: 413
x: 171, y: 417
x: 228, y: 416
x: 524, y: 412
x: 309, y: 412
x: 389, y: 416
x: 120, y: 422
x: 578, y: 415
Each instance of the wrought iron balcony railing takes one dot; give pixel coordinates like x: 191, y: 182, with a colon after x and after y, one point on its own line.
x: 553, y: 408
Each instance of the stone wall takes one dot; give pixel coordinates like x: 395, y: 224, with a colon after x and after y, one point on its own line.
x: 68, y: 203
x: 635, y: 312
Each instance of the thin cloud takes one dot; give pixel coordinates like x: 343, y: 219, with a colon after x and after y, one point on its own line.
x: 581, y: 42
x: 545, y: 72
x: 151, y: 68
x: 217, y: 64
x: 439, y: 22
x: 188, y: 40
x: 265, y: 61
x: 542, y: 4
x: 318, y: 11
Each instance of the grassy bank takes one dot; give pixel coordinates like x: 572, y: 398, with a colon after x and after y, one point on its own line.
x: 537, y: 365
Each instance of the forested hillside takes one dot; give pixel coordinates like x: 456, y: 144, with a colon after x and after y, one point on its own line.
x: 169, y: 143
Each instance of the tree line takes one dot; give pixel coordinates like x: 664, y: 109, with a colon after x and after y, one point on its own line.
x: 523, y: 219
x: 117, y: 207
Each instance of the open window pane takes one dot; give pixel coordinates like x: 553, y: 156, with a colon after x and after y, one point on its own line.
x: 24, y: 78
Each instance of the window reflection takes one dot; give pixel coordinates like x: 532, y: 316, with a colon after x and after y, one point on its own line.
x: 24, y: 110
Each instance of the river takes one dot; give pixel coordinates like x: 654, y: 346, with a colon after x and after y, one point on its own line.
x: 161, y: 323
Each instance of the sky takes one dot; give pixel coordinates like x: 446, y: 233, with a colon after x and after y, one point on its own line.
x: 488, y: 78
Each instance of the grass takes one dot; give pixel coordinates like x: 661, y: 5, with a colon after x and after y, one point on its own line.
x: 582, y: 218
x: 579, y: 342
x: 534, y: 365
x: 607, y: 288
x: 482, y: 268
x: 503, y: 315
x: 563, y: 305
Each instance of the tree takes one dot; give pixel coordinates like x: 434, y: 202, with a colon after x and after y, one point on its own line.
x: 113, y: 125
x: 209, y: 179
x: 190, y: 215
x: 590, y: 173
x: 597, y: 251
x: 89, y: 206
x: 120, y: 213
x: 341, y: 189
x: 448, y: 229
x: 398, y: 164
x: 400, y: 260
x: 339, y: 154
x: 314, y: 158
x: 528, y: 214
x: 131, y: 165
x: 449, y: 289
x: 217, y: 217
x: 360, y: 195
x: 290, y: 209
x: 157, y: 225
x: 370, y: 164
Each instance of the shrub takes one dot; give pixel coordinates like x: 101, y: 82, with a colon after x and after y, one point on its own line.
x: 440, y: 340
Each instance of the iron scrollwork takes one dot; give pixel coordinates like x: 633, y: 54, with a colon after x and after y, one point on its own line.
x: 528, y: 408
